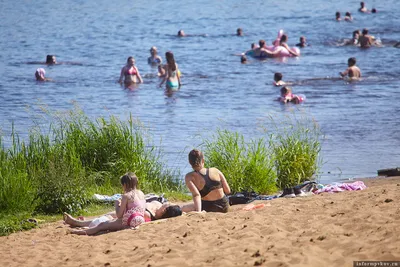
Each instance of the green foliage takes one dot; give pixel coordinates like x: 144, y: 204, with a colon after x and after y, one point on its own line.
x: 296, y: 150
x: 59, y: 169
x: 246, y: 165
x: 286, y: 157
x: 17, y: 191
x: 13, y: 223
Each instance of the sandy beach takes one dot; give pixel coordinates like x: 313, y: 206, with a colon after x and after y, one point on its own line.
x: 321, y: 230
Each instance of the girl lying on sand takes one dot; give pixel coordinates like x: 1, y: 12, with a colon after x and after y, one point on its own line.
x: 129, y: 210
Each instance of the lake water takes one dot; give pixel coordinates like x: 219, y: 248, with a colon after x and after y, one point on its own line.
x: 360, y: 120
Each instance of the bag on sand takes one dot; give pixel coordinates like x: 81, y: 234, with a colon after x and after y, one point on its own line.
x: 243, y: 197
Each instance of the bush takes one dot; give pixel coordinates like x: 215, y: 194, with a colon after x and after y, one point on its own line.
x: 246, y: 165
x: 17, y: 191
x: 296, y: 151
x: 60, y: 169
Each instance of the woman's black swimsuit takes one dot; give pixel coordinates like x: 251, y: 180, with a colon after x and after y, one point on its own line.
x: 220, y: 205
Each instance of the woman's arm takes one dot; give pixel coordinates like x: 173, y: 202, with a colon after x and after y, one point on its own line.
x: 270, y: 52
x: 179, y: 76
x: 195, y: 193
x: 225, y: 185
x: 290, y: 50
x: 165, y: 77
x: 121, y: 76
x: 138, y: 75
x: 120, y: 206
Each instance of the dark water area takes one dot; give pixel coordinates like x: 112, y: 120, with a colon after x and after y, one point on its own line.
x: 360, y: 120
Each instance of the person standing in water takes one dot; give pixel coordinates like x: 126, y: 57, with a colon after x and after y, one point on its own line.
x: 172, y: 74
x: 154, y: 59
x: 130, y: 73
x: 352, y: 71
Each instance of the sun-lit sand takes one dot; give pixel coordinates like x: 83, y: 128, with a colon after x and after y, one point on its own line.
x: 321, y: 230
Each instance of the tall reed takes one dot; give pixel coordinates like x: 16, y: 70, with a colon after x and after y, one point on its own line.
x: 59, y: 169
x: 296, y: 146
x: 246, y: 165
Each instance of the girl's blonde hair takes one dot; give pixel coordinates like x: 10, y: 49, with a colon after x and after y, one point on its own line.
x: 130, y: 181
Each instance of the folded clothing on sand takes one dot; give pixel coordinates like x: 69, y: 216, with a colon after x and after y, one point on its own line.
x: 340, y: 187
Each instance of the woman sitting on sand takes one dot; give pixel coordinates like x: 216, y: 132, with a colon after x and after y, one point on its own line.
x: 208, y: 186
x: 129, y: 210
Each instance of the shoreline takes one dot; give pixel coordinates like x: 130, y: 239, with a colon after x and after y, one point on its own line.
x: 321, y: 230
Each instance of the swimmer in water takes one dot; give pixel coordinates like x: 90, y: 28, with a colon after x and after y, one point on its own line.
x: 262, y: 51
x: 181, y: 33
x: 356, y: 37
x: 154, y: 59
x: 303, y: 42
x: 278, y: 79
x: 50, y: 60
x: 40, y: 75
x: 251, y: 51
x: 338, y: 18
x: 130, y: 73
x: 348, y: 17
x: 283, y: 43
x: 352, y: 71
x: 365, y: 39
x: 239, y: 32
x: 243, y: 59
x: 363, y: 8
x: 287, y: 96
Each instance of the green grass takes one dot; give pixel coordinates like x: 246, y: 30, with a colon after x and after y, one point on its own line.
x: 296, y: 148
x: 60, y: 168
x: 287, y: 155
x: 247, y: 165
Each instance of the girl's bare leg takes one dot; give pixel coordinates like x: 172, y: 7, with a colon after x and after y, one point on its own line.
x: 104, y: 226
x: 68, y: 219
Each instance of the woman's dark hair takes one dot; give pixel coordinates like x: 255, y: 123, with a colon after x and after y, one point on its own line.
x: 130, y: 180
x: 195, y: 157
x: 261, y: 43
x: 172, y: 211
x: 283, y: 38
x: 170, y: 60
x: 278, y: 76
x: 49, y: 59
x: 352, y: 61
x: 129, y: 58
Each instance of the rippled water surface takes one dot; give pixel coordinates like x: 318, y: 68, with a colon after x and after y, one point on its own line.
x: 360, y: 120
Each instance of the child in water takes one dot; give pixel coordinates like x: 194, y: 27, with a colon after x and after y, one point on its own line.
x: 352, y: 71
x: 288, y: 96
x: 39, y: 74
x: 278, y: 79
